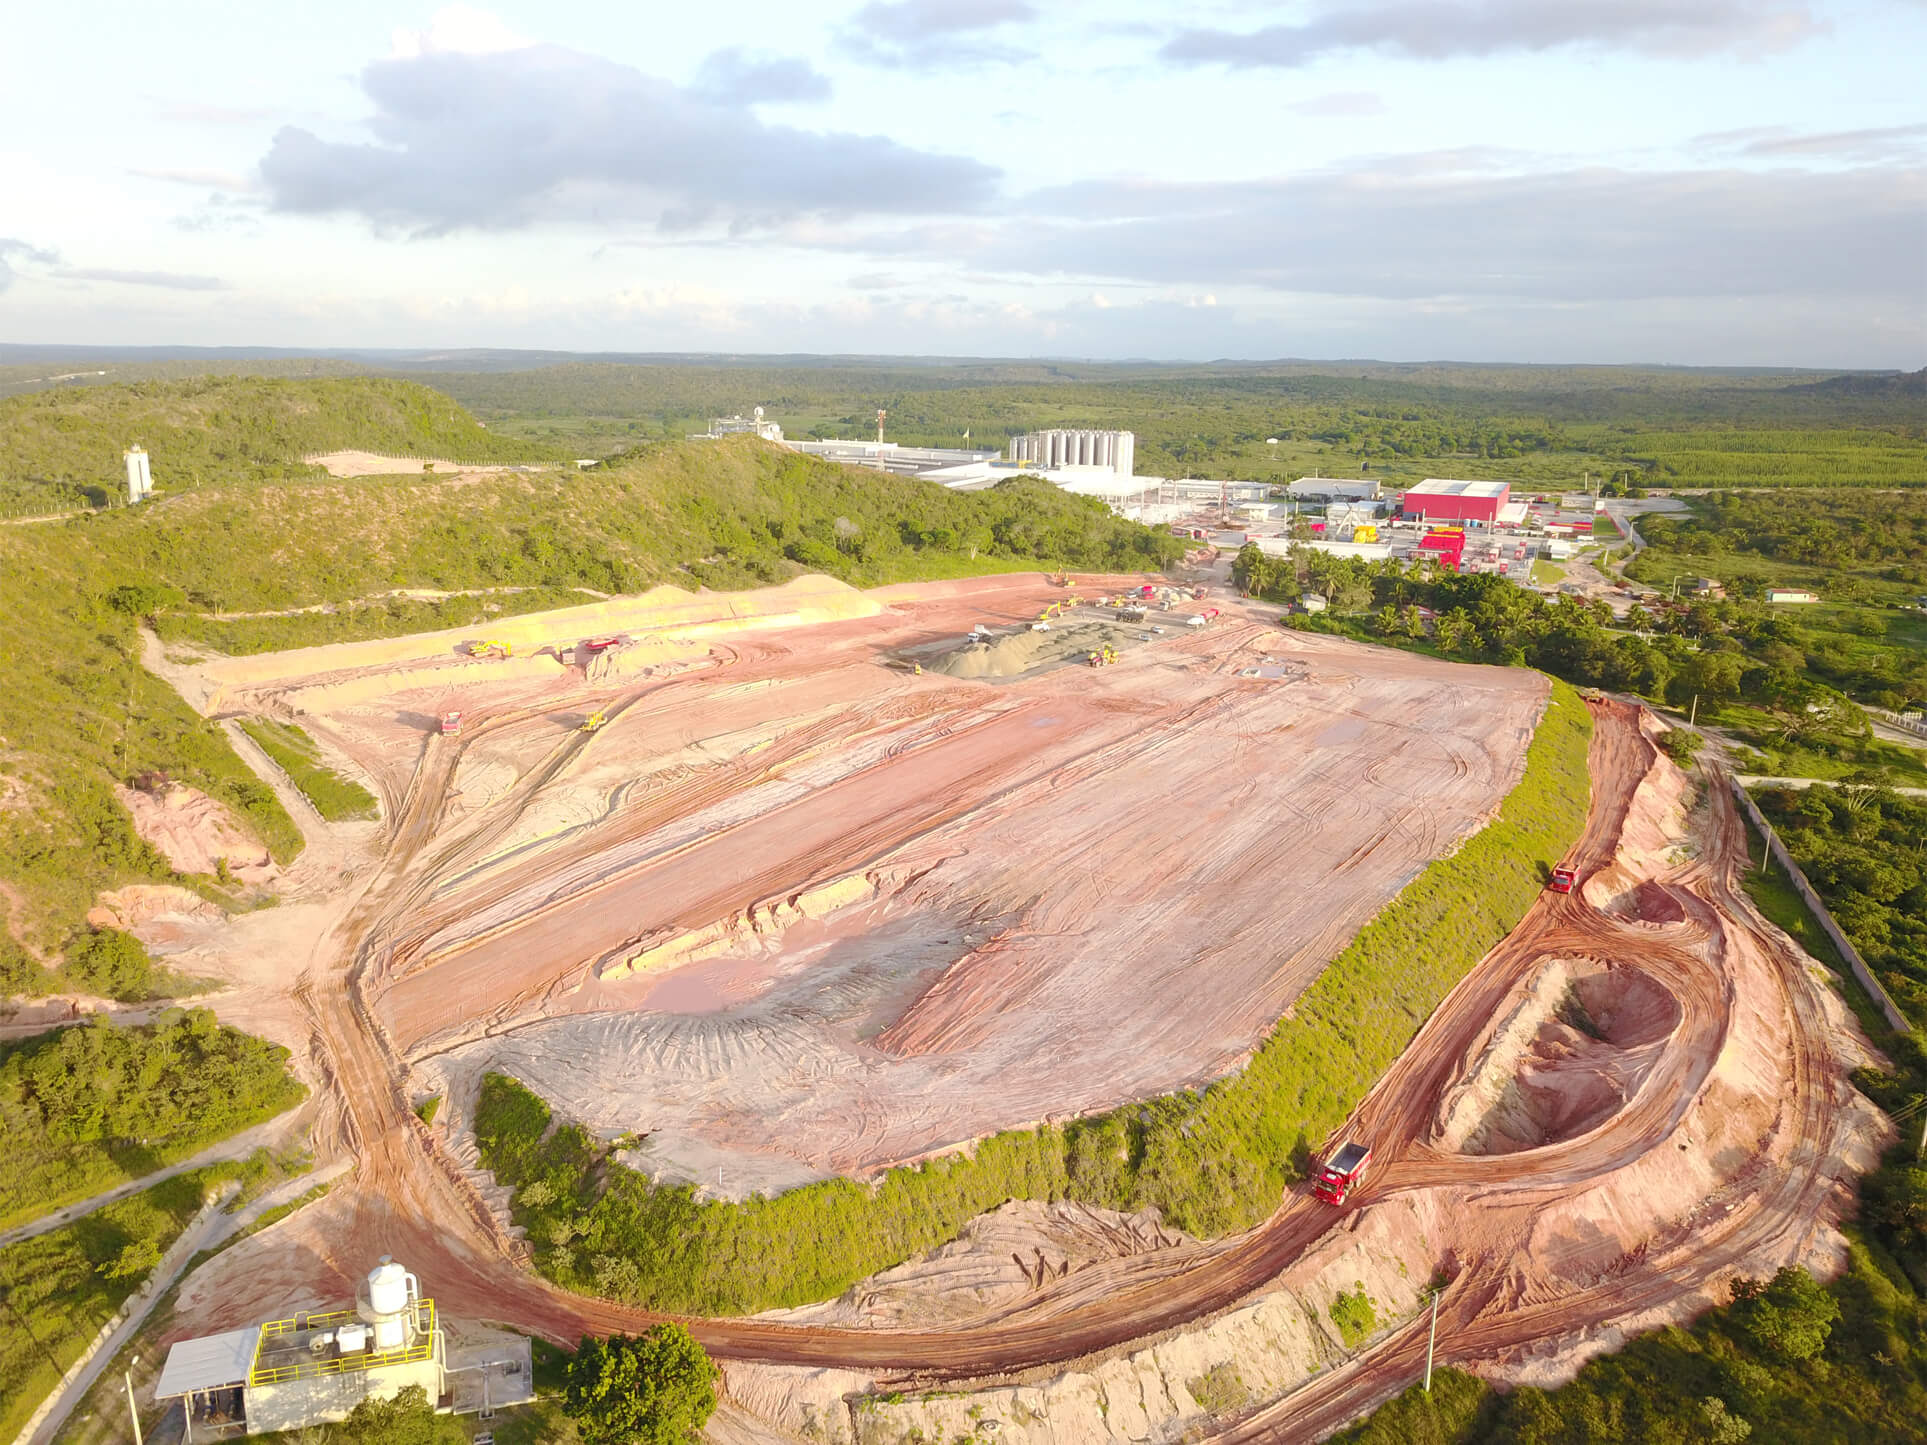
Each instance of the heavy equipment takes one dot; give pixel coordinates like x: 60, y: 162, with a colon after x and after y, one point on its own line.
x: 451, y: 724
x: 593, y: 721
x: 483, y: 649
x: 1342, y: 1173
x: 1563, y: 879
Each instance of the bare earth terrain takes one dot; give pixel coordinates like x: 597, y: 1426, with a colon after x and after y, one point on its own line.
x: 790, y: 867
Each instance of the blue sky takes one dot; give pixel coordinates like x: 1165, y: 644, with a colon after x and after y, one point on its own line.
x: 1690, y: 181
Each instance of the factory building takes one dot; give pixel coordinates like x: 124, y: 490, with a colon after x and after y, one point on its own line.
x: 1113, y: 450
x: 1475, y: 504
x: 751, y: 425
x: 1333, y: 489
x: 314, y: 1368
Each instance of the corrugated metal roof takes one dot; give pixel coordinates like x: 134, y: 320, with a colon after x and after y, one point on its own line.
x: 208, y: 1363
x: 1446, y: 487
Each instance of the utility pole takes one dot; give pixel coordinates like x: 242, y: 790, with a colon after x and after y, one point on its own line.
x: 1694, y: 720
x: 127, y: 1378
x: 1432, y: 1341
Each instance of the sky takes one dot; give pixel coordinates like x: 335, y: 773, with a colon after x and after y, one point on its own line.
x: 1699, y: 182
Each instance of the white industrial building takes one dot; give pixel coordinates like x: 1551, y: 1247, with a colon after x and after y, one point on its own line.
x: 1113, y: 450
x: 313, y: 1368
x: 1334, y: 489
x: 730, y: 426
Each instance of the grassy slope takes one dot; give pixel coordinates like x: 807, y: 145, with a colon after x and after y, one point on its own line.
x: 57, y: 1284
x: 1213, y: 1161
x: 336, y: 798
x: 57, y: 445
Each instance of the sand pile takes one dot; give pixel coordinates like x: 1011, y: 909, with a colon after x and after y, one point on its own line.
x: 1020, y: 652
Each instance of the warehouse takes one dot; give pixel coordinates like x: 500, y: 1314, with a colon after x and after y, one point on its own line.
x: 1472, y: 504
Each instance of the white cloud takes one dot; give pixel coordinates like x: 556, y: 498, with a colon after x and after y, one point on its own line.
x: 457, y: 30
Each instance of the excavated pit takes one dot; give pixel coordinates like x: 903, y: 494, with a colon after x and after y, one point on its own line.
x: 1575, y: 1050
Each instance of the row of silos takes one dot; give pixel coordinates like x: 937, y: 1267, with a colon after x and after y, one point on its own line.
x: 1115, y: 450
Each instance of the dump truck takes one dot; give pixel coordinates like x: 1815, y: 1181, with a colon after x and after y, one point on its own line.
x: 1563, y: 880
x: 451, y: 724
x: 1342, y: 1173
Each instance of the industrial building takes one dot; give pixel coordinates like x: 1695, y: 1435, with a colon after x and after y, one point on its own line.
x: 1334, y: 489
x: 751, y: 425
x: 1113, y: 450
x: 1472, y: 504
x: 313, y: 1368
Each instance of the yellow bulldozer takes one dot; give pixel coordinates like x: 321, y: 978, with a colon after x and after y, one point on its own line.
x: 485, y: 649
x: 594, y: 721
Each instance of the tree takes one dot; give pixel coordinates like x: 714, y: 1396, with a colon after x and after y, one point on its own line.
x: 657, y: 1388
x: 406, y: 1418
x: 1790, y: 1317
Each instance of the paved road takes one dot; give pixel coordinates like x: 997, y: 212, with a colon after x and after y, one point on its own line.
x: 1755, y: 780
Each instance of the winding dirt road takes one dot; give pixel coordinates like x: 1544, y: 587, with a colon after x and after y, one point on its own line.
x: 1689, y: 932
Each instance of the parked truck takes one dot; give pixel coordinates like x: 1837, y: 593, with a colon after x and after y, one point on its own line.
x: 1563, y: 880
x: 1342, y: 1173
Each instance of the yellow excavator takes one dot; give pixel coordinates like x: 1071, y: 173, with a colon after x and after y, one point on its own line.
x: 594, y: 721
x: 483, y: 649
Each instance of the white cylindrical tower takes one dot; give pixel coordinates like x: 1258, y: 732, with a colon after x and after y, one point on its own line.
x: 387, y: 1301
x: 140, y: 481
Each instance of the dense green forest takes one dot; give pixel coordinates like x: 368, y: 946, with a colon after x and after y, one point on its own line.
x: 1213, y: 1161
x: 89, y: 1107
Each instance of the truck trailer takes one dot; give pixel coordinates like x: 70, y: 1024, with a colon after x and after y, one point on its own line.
x: 1343, y: 1172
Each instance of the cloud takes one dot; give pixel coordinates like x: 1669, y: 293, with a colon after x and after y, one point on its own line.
x: 12, y: 250
x: 876, y: 281
x: 736, y: 76
x: 500, y: 140
x: 1341, y: 102
x: 202, y: 114
x: 924, y: 34
x: 1882, y: 143
x: 166, y: 280
x: 1401, y: 231
x: 1445, y: 29
x: 457, y: 30
x: 208, y: 180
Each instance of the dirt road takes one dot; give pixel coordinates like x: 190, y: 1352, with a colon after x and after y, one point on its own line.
x: 1524, y: 1271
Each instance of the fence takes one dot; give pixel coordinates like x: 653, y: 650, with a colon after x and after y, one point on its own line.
x: 1895, y: 1017
x: 1910, y: 721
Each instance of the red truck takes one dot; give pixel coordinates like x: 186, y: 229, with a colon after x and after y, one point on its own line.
x: 1563, y: 880
x: 1343, y: 1173
x: 451, y: 724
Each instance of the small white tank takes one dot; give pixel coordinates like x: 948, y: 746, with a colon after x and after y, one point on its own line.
x: 388, y: 1288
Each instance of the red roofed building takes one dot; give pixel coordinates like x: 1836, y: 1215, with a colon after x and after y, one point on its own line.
x: 1474, y: 503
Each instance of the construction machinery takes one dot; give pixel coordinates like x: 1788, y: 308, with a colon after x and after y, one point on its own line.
x: 1102, y: 656
x: 491, y: 648
x: 593, y: 721
x: 451, y: 724
x: 1563, y: 880
x: 1342, y: 1173
x: 593, y: 645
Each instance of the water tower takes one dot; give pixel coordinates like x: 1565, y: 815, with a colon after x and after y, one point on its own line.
x: 140, y: 481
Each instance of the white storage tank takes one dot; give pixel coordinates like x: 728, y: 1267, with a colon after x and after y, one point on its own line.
x: 387, y: 1302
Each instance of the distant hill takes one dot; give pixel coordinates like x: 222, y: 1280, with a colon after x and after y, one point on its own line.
x: 64, y: 443
x: 1892, y: 385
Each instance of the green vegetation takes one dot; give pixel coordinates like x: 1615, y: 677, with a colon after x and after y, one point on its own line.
x: 111, y: 963
x: 1547, y: 574
x: 355, y: 621
x: 428, y: 1108
x: 1354, y: 1316
x: 1866, y: 556
x: 407, y: 1418
x: 1220, y: 1389
x: 86, y: 1108
x: 1864, y: 849
x: 1788, y: 1360
x: 336, y: 798
x: 62, y: 449
x: 60, y: 1287
x: 656, y: 1388
x: 1213, y: 1161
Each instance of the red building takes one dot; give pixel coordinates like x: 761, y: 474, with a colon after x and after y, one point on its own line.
x: 1473, y: 503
